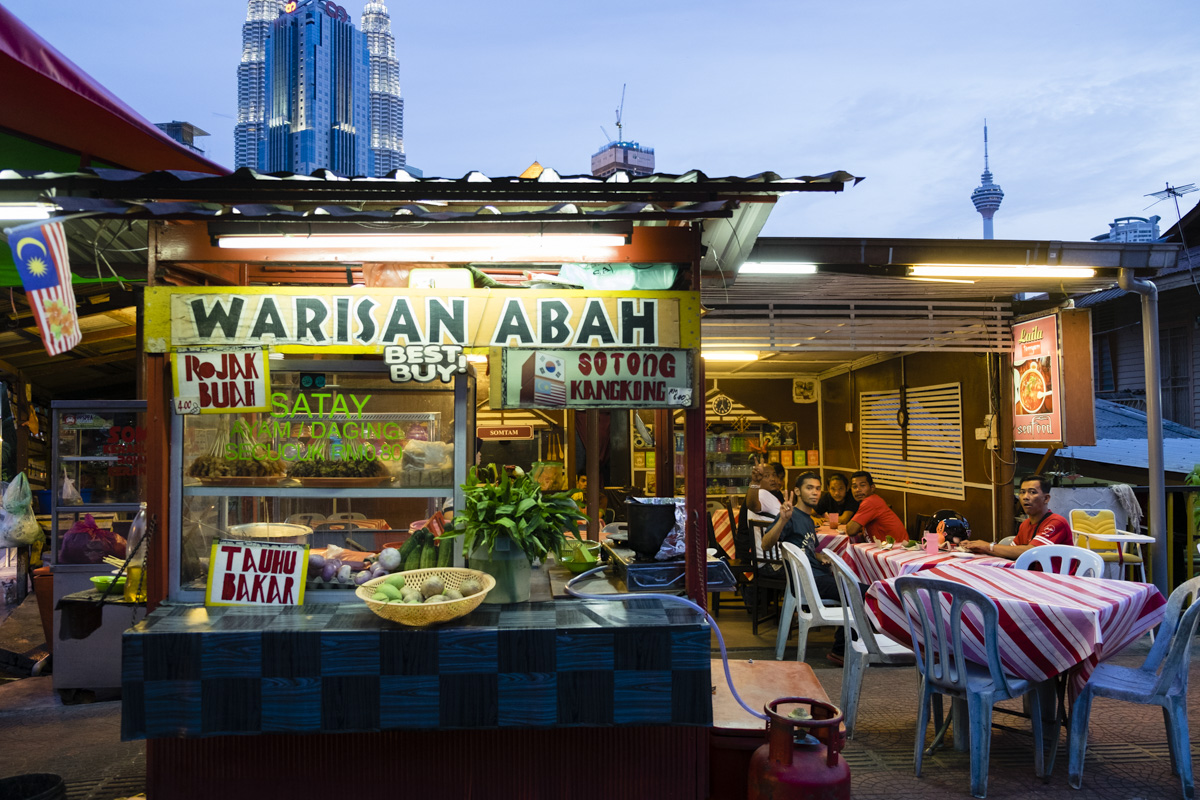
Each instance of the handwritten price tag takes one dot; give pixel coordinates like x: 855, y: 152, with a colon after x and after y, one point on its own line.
x: 187, y: 406
x: 679, y: 396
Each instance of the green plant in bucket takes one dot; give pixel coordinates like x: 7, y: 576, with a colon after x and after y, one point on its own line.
x: 499, y: 506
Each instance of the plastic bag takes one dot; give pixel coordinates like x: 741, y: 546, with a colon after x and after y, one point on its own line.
x: 550, y: 475
x: 88, y: 543
x: 420, y: 454
x: 69, y: 494
x: 619, y: 277
x: 18, y: 526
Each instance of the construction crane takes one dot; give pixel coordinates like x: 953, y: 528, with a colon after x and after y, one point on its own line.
x: 621, y: 110
x: 607, y: 139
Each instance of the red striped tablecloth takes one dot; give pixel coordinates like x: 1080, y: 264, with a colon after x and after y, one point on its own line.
x: 835, y: 542
x: 1049, y: 624
x: 723, y: 528
x: 870, y: 562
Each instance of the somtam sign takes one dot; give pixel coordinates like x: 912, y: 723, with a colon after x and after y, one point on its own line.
x: 592, y: 378
x: 1037, y: 390
x: 360, y: 320
x: 217, y: 381
x: 250, y: 573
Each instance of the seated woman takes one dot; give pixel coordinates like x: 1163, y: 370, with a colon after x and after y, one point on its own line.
x: 837, y: 500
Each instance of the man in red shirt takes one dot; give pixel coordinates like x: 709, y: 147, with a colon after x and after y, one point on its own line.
x: 873, y: 517
x: 1041, y: 526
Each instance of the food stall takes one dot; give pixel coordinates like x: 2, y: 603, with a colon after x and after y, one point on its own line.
x: 268, y: 369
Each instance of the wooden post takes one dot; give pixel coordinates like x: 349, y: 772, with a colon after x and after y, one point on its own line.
x: 664, y: 452
x: 158, y: 465
x: 593, y: 474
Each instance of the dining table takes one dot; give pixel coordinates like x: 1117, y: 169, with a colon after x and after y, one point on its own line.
x: 874, y: 561
x: 1050, y: 624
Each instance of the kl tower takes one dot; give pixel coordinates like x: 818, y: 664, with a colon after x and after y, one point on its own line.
x: 988, y: 196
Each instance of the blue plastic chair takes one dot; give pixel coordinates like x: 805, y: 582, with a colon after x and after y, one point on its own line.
x: 863, y: 646
x: 1158, y: 681
x: 944, y: 669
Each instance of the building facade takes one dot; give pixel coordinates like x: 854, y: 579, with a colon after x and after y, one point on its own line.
x: 628, y: 157
x: 317, y: 99
x: 1131, y: 229
x: 387, y: 104
x: 251, y: 78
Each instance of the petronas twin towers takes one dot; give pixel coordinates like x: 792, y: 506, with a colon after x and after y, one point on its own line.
x: 315, y: 93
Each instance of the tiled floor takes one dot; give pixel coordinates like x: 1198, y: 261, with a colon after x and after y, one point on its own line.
x: 1127, y: 756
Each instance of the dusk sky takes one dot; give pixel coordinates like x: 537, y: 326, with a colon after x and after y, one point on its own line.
x: 1090, y: 105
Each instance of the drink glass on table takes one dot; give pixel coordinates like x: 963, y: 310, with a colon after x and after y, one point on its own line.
x: 831, y: 519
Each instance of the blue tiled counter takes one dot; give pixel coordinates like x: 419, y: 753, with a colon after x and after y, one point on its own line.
x: 190, y: 671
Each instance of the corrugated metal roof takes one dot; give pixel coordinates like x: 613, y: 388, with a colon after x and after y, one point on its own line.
x: 248, y: 186
x: 1117, y: 421
x: 1097, y: 298
x: 1179, y: 455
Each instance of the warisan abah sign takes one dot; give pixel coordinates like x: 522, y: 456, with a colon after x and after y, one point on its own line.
x: 361, y: 320
x: 609, y: 378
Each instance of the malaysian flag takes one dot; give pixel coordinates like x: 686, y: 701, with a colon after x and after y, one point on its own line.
x: 40, y: 253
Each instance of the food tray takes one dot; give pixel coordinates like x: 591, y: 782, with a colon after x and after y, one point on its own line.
x: 420, y: 615
x: 242, y: 480
x: 344, y: 483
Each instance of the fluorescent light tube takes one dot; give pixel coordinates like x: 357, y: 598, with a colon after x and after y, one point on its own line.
x: 777, y: 268
x: 729, y: 355
x: 26, y: 211
x: 425, y: 241
x: 990, y: 271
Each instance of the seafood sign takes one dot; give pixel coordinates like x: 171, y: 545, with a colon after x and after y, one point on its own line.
x: 1037, y: 415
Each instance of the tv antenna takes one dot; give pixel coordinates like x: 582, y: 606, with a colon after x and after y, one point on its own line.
x: 1174, y: 192
x: 620, y: 111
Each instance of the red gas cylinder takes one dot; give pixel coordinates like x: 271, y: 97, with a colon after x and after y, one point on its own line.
x: 810, y: 769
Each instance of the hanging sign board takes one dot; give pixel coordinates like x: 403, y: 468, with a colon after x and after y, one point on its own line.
x: 1036, y: 408
x: 591, y: 378
x: 315, y: 319
x: 504, y: 432
x: 250, y: 573
x: 218, y: 381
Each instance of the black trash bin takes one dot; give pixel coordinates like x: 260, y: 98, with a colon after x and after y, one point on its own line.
x: 36, y: 786
x: 649, y: 525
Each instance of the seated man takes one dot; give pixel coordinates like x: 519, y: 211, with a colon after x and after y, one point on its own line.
x: 873, y: 517
x: 1041, y: 525
x: 763, y: 499
x: 837, y: 500
x: 798, y: 529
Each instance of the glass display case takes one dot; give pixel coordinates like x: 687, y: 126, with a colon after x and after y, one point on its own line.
x: 360, y: 458
x: 97, y: 446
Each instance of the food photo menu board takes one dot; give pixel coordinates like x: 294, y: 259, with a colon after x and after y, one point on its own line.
x: 1037, y: 415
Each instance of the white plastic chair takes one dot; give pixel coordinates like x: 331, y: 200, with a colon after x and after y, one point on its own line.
x: 819, y: 613
x: 1007, y: 540
x: 1158, y: 681
x: 862, y: 649
x: 1072, y: 560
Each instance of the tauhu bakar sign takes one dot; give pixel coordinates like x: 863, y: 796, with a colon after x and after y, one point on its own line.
x: 361, y: 320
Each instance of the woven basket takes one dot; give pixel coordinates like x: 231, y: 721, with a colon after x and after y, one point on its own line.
x: 420, y: 615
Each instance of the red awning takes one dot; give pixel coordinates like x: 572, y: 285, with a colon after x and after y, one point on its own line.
x: 44, y: 96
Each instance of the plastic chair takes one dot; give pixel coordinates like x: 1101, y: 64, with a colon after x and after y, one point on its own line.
x: 1160, y: 680
x: 863, y: 646
x: 1073, y: 560
x: 944, y: 669
x: 812, y: 611
x: 1007, y: 540
x: 1102, y: 520
x: 770, y: 575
